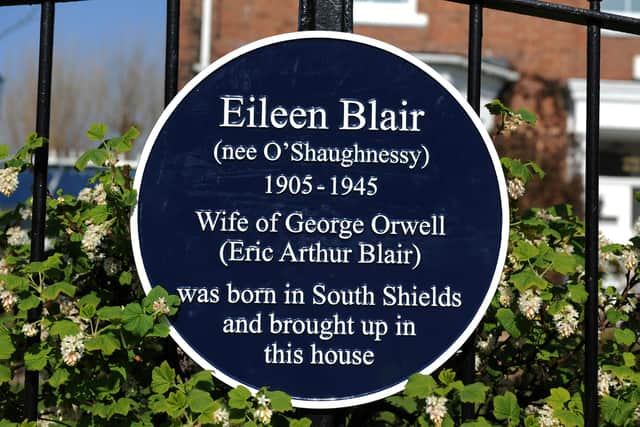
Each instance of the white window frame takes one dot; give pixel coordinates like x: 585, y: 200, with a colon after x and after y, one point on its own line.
x: 626, y: 12
x: 388, y: 13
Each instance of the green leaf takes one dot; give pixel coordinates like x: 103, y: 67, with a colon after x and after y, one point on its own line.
x: 302, y: 422
x: 562, y: 263
x: 629, y: 359
x: 616, y: 411
x: 98, y: 156
x: 51, y: 292
x: 125, y: 278
x: 527, y: 116
x: 507, y: 319
x: 29, y: 302
x: 176, y: 404
x: 238, y: 398
x: 123, y: 406
x: 6, y: 346
x: 4, y: 151
x: 558, y: 397
x: 160, y: 330
x: 496, y: 107
x: 36, y: 361
x: 524, y: 250
x: 408, y: 404
x: 97, y: 131
x: 110, y: 313
x: 107, y: 343
x: 625, y: 336
x: 5, y: 374
x: 578, y: 293
x: 199, y: 401
x: 420, y: 386
x: 614, y: 316
x: 527, y: 279
x: 474, y: 393
x: 506, y: 407
x: 135, y: 320
x: 63, y: 328
x: 446, y: 376
x: 480, y: 422
x: 162, y: 378
x: 280, y: 401
x: 568, y: 418
x: 59, y: 377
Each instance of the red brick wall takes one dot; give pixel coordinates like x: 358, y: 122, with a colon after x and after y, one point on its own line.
x: 553, y: 50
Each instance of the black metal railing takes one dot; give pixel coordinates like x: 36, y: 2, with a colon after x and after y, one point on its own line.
x: 338, y: 16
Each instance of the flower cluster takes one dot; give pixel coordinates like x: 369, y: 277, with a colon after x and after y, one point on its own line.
x: 545, y: 416
x: 30, y: 329
x: 96, y: 195
x: 221, y: 417
x: 263, y: 413
x: 566, y: 321
x: 160, y: 306
x: 436, y: 408
x: 529, y: 303
x: 17, y: 236
x: 606, y: 382
x: 92, y: 238
x: 72, y: 348
x: 8, y: 180
x: 515, y: 188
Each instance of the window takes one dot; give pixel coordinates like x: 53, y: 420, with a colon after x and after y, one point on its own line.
x: 622, y: 7
x: 389, y: 12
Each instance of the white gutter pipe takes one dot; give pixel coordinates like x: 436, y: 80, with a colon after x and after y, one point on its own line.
x: 205, y: 36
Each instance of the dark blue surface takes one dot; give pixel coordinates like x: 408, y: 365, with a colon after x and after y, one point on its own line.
x: 181, y: 176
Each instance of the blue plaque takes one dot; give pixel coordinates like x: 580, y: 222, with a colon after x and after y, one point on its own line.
x: 331, y: 213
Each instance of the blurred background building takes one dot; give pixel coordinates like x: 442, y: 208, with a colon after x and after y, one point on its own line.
x: 528, y: 62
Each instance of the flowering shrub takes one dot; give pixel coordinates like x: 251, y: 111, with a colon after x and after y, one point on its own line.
x: 100, y: 344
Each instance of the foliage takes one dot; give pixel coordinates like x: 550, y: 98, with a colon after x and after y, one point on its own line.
x: 102, y: 343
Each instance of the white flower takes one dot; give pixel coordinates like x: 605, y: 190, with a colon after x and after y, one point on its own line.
x: 8, y: 299
x: 636, y: 413
x: 546, y: 418
x: 93, y: 237
x: 263, y: 414
x: 8, y: 180
x: 160, y: 307
x: 506, y: 296
x: 606, y: 381
x: 566, y: 321
x: 544, y: 214
x: 4, y: 266
x: 25, y: 213
x: 67, y: 306
x: 263, y: 400
x: 221, y: 416
x: 17, y: 236
x: 515, y: 188
x: 99, y: 195
x: 477, y: 362
x: 629, y: 260
x: 529, y: 303
x: 72, y: 348
x: 111, y: 266
x: 85, y: 195
x: 29, y: 329
x: 630, y: 305
x: 486, y: 345
x: 436, y: 409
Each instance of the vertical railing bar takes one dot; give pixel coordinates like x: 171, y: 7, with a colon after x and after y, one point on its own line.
x: 591, y: 216
x: 171, y: 52
x: 474, y: 70
x: 170, y: 90
x: 306, y: 15
x: 41, y: 157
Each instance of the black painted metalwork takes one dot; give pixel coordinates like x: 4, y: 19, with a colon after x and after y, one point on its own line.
x: 591, y: 221
x: 474, y: 71
x: 31, y: 2
x: 40, y: 170
x: 171, y: 50
x: 336, y: 15
x: 562, y: 13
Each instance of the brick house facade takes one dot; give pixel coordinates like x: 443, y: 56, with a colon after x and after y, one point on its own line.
x: 533, y: 63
